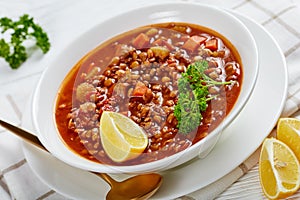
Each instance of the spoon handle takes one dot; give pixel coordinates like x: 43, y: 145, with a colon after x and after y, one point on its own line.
x: 106, y: 178
x: 29, y: 137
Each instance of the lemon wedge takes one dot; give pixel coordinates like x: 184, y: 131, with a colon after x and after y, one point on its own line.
x: 288, y: 131
x: 279, y: 169
x: 122, y: 139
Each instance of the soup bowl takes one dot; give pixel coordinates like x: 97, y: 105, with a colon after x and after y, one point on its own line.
x: 46, y: 117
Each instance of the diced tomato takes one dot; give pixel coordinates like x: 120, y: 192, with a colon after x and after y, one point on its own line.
x: 193, y: 42
x: 212, y: 44
x: 141, y: 41
x: 139, y: 90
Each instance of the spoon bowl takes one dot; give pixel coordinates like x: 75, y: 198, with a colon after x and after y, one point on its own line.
x: 137, y: 187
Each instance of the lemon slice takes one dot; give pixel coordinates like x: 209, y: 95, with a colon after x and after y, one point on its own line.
x: 122, y: 139
x: 279, y: 169
x: 288, y: 131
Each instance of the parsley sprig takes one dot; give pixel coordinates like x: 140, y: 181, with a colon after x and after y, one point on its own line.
x: 193, y: 88
x: 13, y: 50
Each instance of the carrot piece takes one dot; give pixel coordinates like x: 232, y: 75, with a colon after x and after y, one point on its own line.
x: 168, y: 45
x: 141, y: 41
x: 157, y: 42
x: 212, y: 44
x: 139, y: 90
x: 199, y: 39
x: 193, y: 42
x: 163, y: 43
x: 190, y: 45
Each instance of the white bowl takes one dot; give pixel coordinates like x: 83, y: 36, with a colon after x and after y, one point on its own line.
x: 208, y: 16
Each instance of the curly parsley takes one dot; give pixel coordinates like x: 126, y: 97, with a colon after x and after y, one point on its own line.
x: 13, y: 50
x: 193, y: 96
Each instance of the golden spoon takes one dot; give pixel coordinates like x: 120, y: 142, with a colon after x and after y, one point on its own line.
x: 138, y: 187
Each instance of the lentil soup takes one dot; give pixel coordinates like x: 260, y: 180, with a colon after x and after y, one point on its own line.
x: 136, y: 74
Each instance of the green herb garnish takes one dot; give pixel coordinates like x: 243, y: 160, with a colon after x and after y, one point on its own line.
x: 193, y: 96
x: 13, y: 50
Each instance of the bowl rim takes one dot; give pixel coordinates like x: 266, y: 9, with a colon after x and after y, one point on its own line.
x: 151, y: 165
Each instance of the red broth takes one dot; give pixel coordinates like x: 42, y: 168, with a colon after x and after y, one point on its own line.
x: 136, y: 74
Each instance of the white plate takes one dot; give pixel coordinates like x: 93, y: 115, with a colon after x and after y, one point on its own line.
x: 237, y: 142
